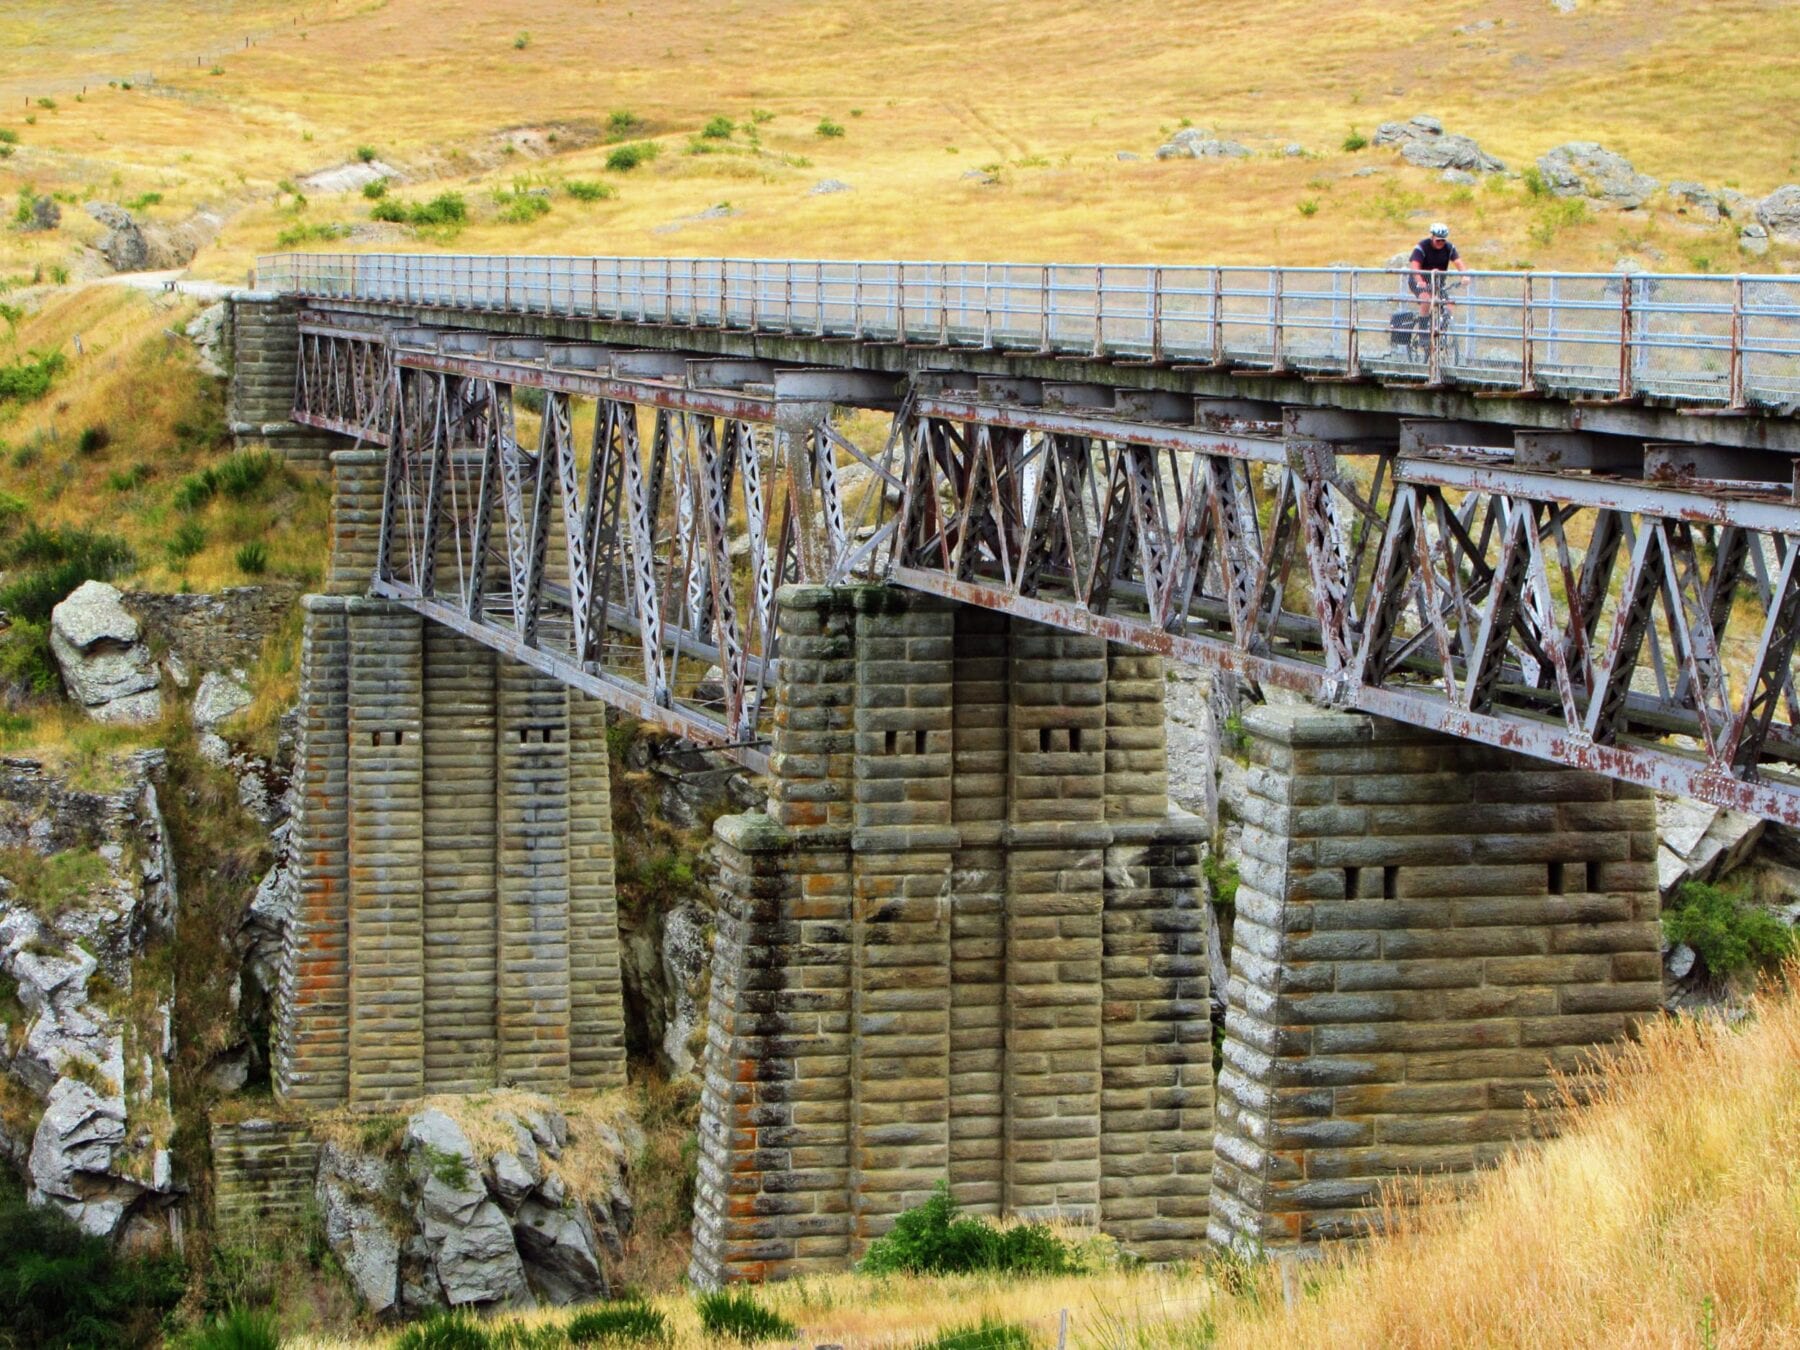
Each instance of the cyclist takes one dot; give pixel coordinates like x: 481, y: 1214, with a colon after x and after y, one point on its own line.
x: 1434, y: 253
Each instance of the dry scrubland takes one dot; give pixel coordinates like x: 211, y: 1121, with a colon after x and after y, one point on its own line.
x: 1040, y: 94
x: 1664, y: 1216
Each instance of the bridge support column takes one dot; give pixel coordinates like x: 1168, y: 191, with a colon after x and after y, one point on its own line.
x: 262, y: 339
x: 963, y: 945
x: 1426, y: 929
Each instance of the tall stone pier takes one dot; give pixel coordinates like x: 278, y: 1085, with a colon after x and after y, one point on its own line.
x: 455, y: 927
x: 1426, y: 929
x: 964, y: 944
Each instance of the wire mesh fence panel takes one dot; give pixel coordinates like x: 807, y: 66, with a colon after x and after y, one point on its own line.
x: 1127, y: 325
x: 1247, y: 317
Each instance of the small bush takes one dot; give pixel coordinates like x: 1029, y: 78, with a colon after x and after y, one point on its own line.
x: 26, y: 380
x: 621, y: 1324
x: 48, y: 104
x: 828, y: 128
x: 521, y: 208
x: 27, y: 665
x: 365, y: 153
x: 583, y: 190
x: 241, y: 475
x: 1729, y: 936
x: 1355, y: 141
x: 444, y: 1331
x: 718, y: 128
x: 447, y: 208
x: 1534, y: 181
x: 196, y: 490
x: 1309, y: 207
x: 8, y: 136
x: 253, y: 558
x: 987, y: 1334
x: 143, y: 201
x: 93, y: 439
x: 238, y: 1329
x: 621, y: 122
x: 128, y: 480
x: 189, y: 538
x: 624, y: 158
x: 60, y: 1287
x: 934, y: 1239
x: 311, y: 232
x: 737, y: 1314
x: 375, y: 190
x: 521, y: 41
x: 44, y: 565
x: 389, y: 210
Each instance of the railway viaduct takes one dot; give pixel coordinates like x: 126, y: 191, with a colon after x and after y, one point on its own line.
x: 913, y: 542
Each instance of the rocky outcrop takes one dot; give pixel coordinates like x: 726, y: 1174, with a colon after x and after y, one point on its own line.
x: 526, y: 1216
x: 1423, y: 141
x: 130, y: 245
x: 1779, y: 214
x: 1197, y: 143
x: 105, y: 665
x: 1695, y: 199
x: 1700, y: 842
x: 89, y: 888
x: 1590, y: 171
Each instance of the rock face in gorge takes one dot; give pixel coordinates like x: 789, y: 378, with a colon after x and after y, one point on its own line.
x: 88, y: 891
x: 479, y: 1202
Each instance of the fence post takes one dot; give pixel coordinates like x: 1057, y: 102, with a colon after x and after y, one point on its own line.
x: 1044, y: 311
x: 1218, y: 317
x: 1527, y: 342
x: 1353, y: 340
x: 1099, y: 311
x: 1156, y: 312
x: 1735, y: 380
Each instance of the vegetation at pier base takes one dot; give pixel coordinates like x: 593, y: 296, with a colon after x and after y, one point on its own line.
x: 1729, y: 935
x: 934, y: 1239
x: 738, y: 1315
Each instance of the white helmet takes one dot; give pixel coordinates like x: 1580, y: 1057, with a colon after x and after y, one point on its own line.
x: 1440, y: 231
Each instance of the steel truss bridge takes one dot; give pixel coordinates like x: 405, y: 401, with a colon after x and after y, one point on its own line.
x: 1565, y: 525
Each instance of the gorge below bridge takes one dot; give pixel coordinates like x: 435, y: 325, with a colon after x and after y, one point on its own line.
x: 913, y: 541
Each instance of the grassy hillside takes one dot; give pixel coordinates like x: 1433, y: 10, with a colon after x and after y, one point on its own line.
x: 1037, y: 95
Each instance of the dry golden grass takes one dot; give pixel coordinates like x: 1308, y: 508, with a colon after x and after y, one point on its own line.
x: 1665, y: 1215
x: 1043, y: 92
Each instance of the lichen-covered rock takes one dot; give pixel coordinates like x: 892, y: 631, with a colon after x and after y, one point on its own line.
x: 354, y: 1192
x: 1779, y: 214
x: 687, y: 976
x: 89, y: 1032
x: 1196, y: 143
x: 105, y: 665
x: 1423, y: 141
x: 1589, y: 170
x: 1694, y: 199
x: 218, y: 698
x: 470, y: 1241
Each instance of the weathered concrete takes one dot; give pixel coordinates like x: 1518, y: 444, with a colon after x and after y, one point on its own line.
x: 963, y: 943
x: 263, y: 1174
x: 1426, y: 929
x: 262, y: 337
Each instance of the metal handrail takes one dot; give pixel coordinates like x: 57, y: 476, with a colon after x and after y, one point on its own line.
x: 1709, y: 341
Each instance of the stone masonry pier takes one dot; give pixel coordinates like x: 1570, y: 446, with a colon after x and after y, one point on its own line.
x: 965, y: 944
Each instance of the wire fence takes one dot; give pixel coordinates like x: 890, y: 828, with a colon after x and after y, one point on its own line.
x: 1730, y: 342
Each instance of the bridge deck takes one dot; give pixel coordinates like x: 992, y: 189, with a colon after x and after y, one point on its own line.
x: 1701, y: 342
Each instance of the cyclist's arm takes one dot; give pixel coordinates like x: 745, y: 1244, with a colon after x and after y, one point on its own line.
x: 1457, y: 263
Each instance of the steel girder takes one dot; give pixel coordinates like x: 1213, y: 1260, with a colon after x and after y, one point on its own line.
x: 1640, y: 630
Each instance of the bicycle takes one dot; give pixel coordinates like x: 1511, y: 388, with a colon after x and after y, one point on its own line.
x: 1411, y: 332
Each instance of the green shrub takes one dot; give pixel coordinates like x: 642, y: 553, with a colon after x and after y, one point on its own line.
x: 253, y: 558
x: 737, y: 1314
x: 934, y: 1239
x: 60, y: 1287
x: 238, y: 1329
x: 376, y: 190
x: 521, y: 41
x: 389, y: 210
x: 447, y: 208
x: 47, y: 103
x: 143, y: 201
x: 444, y: 1331
x: 27, y: 665
x: 196, y: 490
x: 92, y: 439
x: 1534, y: 181
x: 28, y: 379
x: 1355, y: 141
x: 583, y: 190
x: 621, y: 1324
x: 621, y: 122
x: 987, y: 1334
x: 241, y: 475
x: 311, y: 232
x: 189, y: 538
x: 45, y: 564
x: 1729, y: 936
x: 8, y: 136
x: 521, y: 208
x: 718, y: 128
x: 828, y: 128
x: 1309, y: 207
x: 624, y: 158
x: 366, y: 153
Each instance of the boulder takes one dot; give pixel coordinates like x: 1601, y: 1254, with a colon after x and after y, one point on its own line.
x: 1700, y: 842
x: 1126, y: 156
x: 219, y: 698
x: 557, y: 1246
x: 1693, y: 199
x: 1588, y: 170
x: 105, y: 666
x: 468, y: 1236
x: 72, y: 1158
x: 1460, y: 177
x: 351, y: 1189
x: 1753, y: 239
x: 124, y: 245
x: 1197, y: 143
x: 826, y: 186
x: 1779, y: 214
x: 687, y: 978
x: 42, y: 214
x: 1423, y: 141
x: 1737, y: 205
